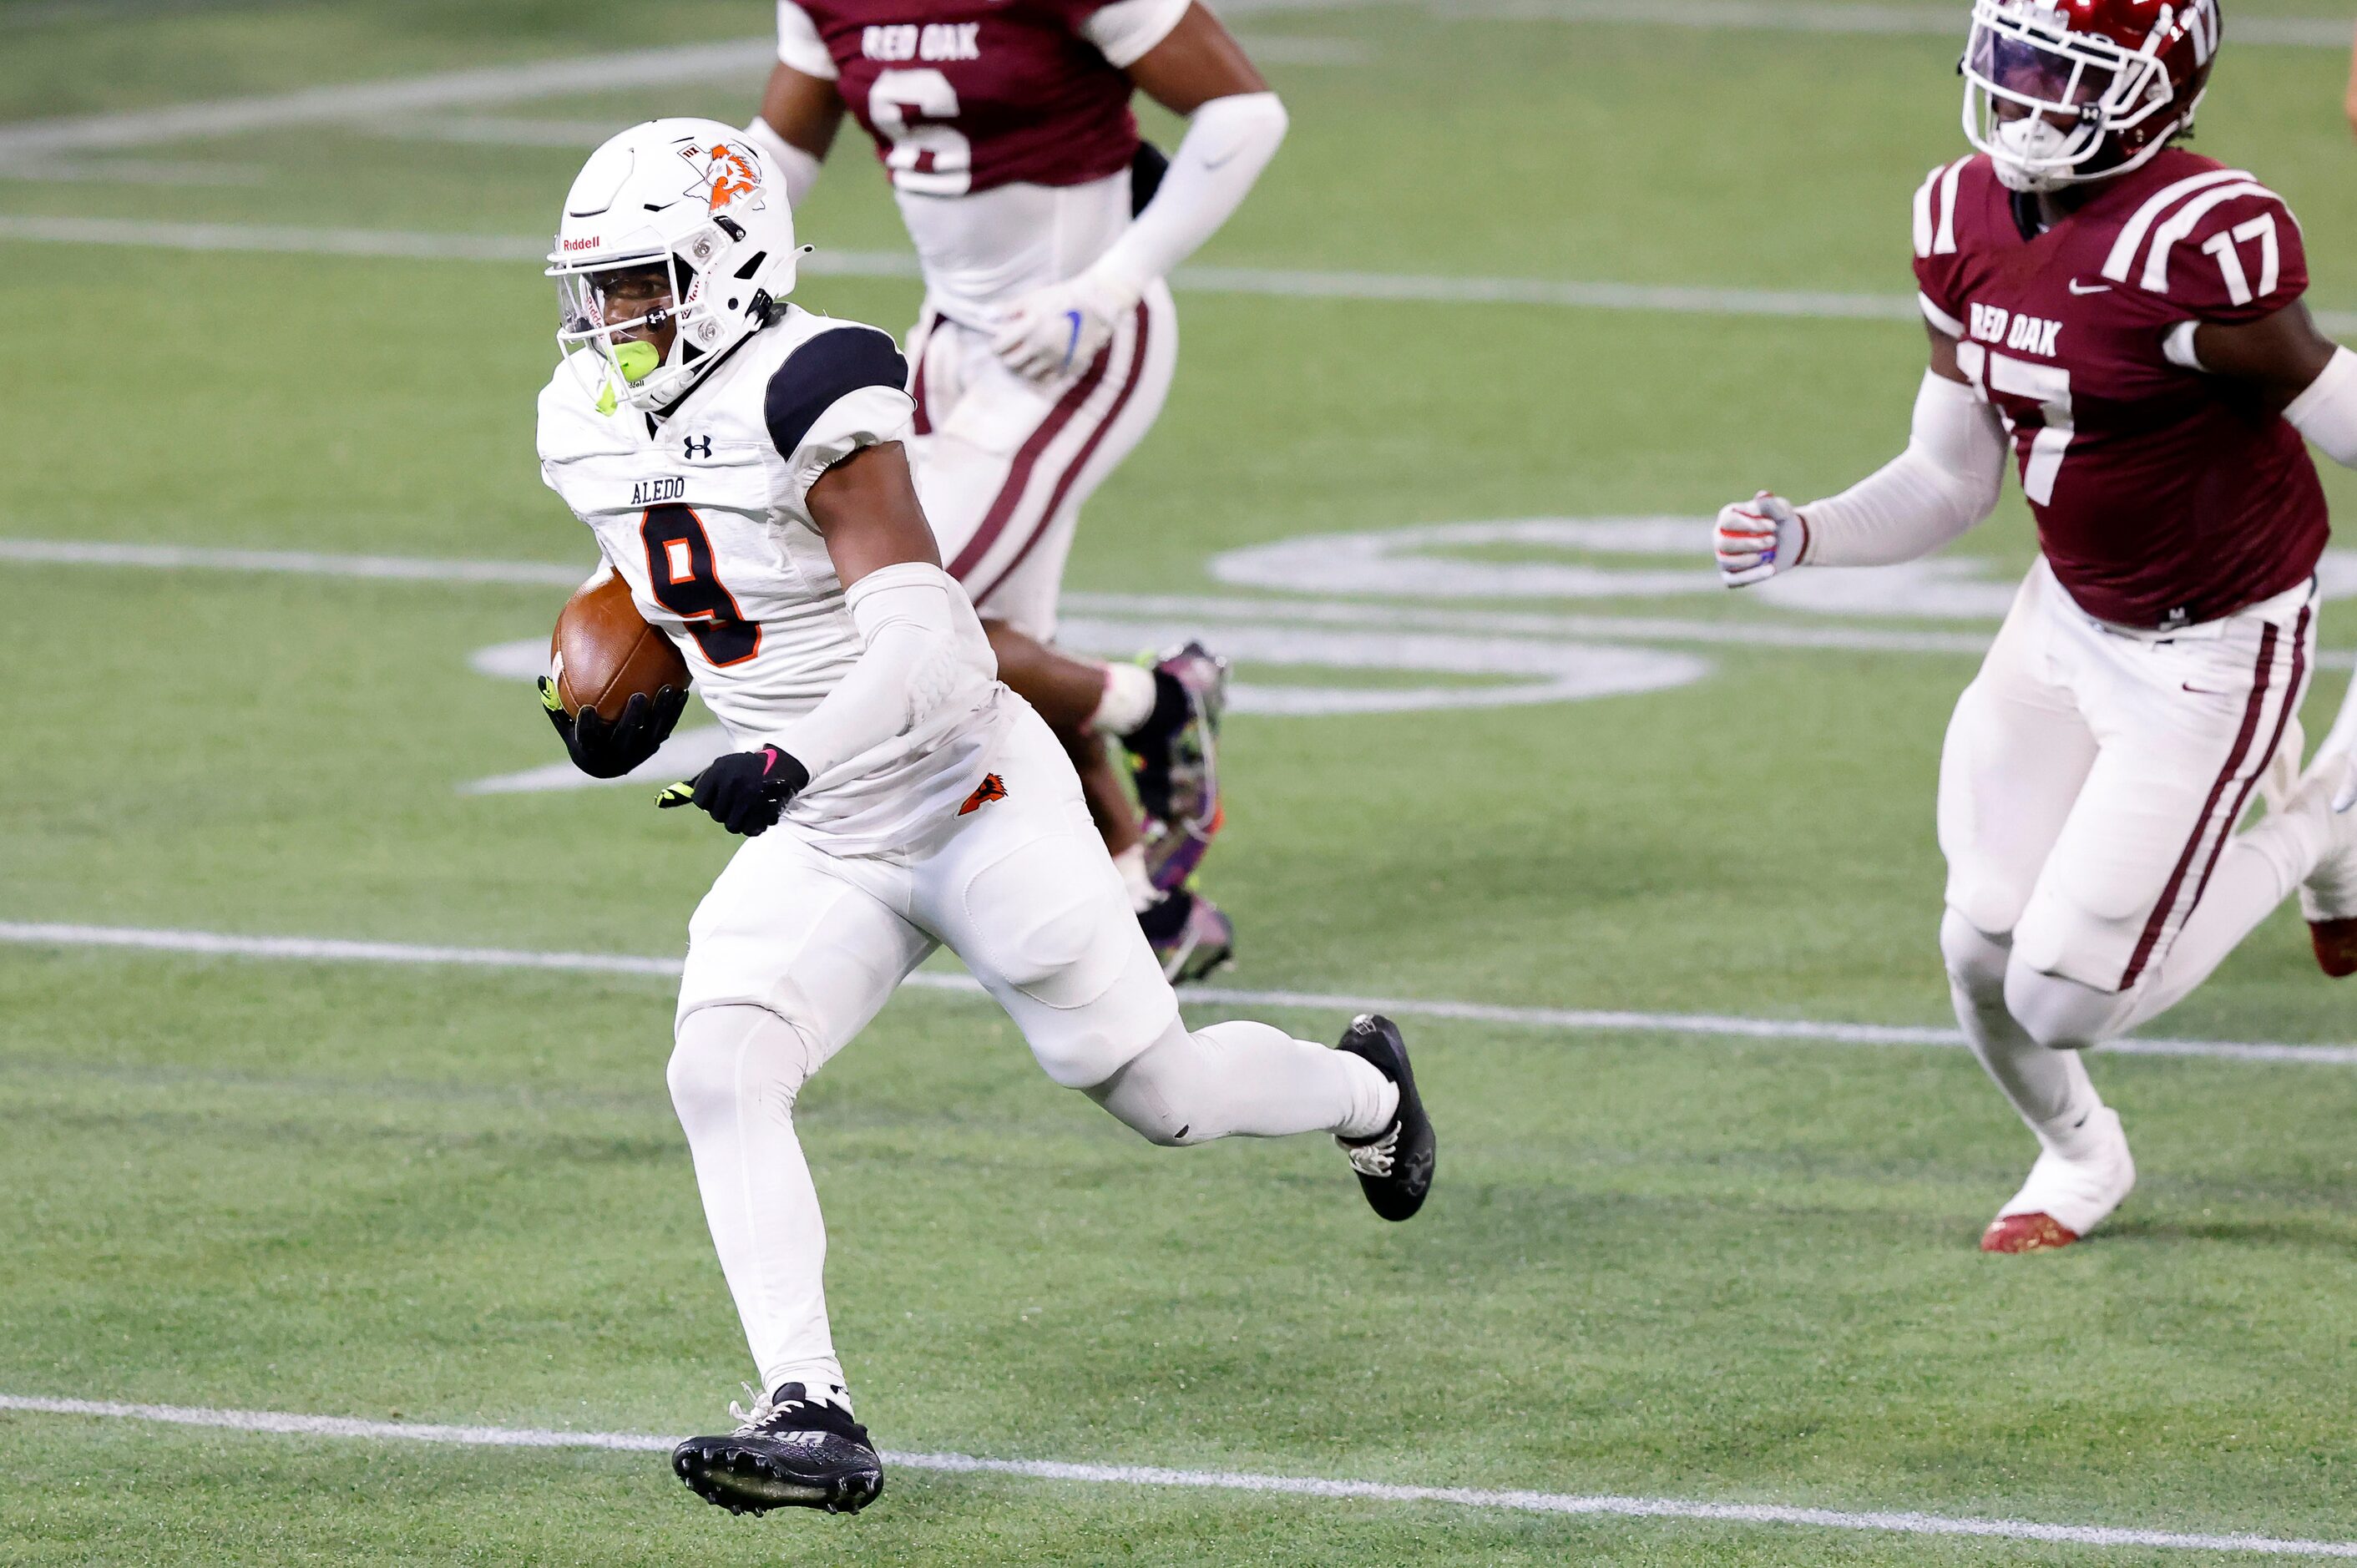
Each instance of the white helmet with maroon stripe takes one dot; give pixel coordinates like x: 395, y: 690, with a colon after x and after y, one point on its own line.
x: 697, y: 199
x: 2064, y: 92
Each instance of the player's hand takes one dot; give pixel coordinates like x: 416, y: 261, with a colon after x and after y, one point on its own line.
x: 604, y: 749
x: 745, y: 791
x: 1056, y: 331
x: 1756, y: 539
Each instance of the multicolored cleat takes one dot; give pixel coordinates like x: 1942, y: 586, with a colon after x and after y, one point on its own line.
x: 1191, y: 940
x: 1175, y: 762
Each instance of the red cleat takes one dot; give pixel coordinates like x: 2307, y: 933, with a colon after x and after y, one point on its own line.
x: 2336, y: 946
x: 2027, y: 1233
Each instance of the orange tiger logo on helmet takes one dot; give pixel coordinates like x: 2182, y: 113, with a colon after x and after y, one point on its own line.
x: 730, y: 176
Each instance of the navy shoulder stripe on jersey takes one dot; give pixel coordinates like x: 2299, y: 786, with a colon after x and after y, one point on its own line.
x: 823, y: 371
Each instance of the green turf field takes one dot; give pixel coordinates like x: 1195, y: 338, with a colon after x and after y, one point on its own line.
x: 1658, y: 1265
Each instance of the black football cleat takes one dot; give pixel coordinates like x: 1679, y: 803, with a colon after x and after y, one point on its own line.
x: 1395, y: 1167
x: 792, y: 1451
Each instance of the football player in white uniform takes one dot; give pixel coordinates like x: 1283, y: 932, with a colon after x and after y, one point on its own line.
x: 1048, y: 337
x: 742, y: 464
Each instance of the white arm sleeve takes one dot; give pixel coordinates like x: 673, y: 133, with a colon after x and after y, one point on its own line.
x: 1124, y: 30
x: 799, y: 168
x: 1947, y: 480
x: 914, y: 660
x: 2327, y: 412
x: 799, y: 44
x: 1228, y: 142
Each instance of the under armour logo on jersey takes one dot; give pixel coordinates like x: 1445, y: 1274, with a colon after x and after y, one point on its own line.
x: 699, y: 445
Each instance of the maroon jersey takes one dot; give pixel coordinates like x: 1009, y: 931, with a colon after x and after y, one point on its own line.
x: 2163, y: 496
x: 962, y: 96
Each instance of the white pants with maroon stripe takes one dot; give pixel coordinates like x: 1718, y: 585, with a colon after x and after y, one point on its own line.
x: 1004, y: 464
x: 2092, y: 776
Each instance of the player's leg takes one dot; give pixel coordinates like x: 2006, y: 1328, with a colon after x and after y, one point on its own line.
x: 2151, y: 887
x: 2018, y: 753
x: 786, y: 961
x: 1004, y: 466
x: 1026, y: 894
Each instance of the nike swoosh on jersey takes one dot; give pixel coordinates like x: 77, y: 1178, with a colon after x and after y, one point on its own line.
x: 2099, y: 288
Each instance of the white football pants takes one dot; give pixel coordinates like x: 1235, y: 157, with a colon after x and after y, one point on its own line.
x: 2089, y: 793
x: 794, y: 951
x: 1004, y: 464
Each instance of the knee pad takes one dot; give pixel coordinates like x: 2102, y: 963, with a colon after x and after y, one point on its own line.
x: 2061, y: 1013
x: 1151, y: 1095
x: 727, y: 1057
x: 1976, y: 962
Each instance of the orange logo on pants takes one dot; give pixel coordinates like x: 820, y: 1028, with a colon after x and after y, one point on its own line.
x: 992, y: 788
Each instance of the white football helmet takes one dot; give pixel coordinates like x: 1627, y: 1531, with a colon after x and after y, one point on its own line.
x: 699, y: 199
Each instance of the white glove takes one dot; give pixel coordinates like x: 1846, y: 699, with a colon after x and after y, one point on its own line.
x: 1756, y: 539
x: 1054, y: 331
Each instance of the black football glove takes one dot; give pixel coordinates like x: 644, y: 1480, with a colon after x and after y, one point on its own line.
x: 743, y: 791
x: 608, y: 748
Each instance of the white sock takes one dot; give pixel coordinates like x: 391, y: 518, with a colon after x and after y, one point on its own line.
x: 1128, y: 701
x: 735, y: 1072
x: 2050, y: 1088
x: 1131, y: 864
x: 1248, y: 1081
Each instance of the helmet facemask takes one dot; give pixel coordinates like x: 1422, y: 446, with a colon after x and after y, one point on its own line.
x: 2053, y: 107
x: 605, y: 307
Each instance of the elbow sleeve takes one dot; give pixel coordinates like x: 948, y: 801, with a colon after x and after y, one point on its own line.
x: 797, y: 168
x: 908, y: 617
x: 1946, y: 481
x: 921, y: 648
x: 1229, y: 141
x: 2327, y: 412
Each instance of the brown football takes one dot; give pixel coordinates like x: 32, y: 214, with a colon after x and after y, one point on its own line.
x: 604, y: 650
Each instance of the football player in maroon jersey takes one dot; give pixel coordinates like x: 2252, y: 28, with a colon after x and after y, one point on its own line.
x: 2124, y: 317
x: 1045, y: 229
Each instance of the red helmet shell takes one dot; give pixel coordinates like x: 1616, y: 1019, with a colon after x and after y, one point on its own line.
x: 2183, y: 35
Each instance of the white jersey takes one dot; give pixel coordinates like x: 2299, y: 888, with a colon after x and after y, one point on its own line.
x: 703, y: 510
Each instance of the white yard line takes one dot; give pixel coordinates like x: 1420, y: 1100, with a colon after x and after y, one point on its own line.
x: 1605, y: 1505
x: 1270, y: 283
x: 1216, y: 609
x: 367, y: 102
x: 372, y: 102
x: 1568, y: 1020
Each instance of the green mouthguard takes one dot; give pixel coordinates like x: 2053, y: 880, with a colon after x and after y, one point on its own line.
x: 637, y: 361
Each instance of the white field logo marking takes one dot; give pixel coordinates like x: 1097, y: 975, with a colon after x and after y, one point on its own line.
x: 1482, y: 663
